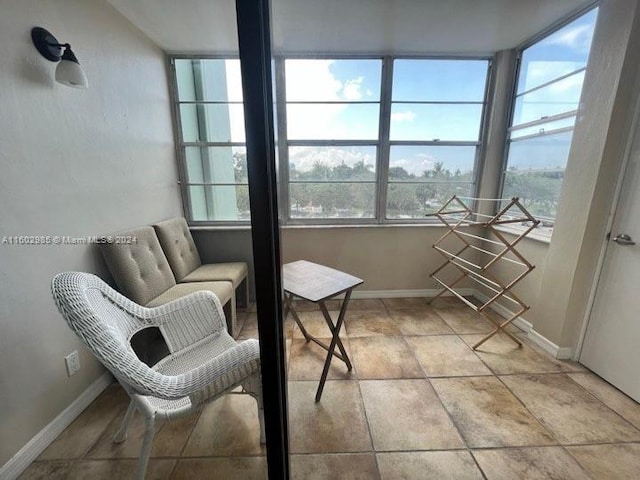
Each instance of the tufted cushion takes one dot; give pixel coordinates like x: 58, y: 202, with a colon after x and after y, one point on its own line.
x: 235, y: 272
x: 140, y: 269
x: 223, y: 291
x: 177, y: 243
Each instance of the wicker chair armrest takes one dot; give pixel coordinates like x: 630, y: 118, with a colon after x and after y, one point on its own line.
x: 227, y: 370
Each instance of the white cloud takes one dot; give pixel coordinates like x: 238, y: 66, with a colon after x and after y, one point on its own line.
x: 577, y: 38
x: 312, y: 80
x: 304, y: 158
x: 351, y: 89
x: 416, y: 165
x: 406, y: 116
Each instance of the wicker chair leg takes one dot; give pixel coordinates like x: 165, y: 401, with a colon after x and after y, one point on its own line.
x: 147, y: 443
x: 263, y: 438
x: 121, y: 434
x: 253, y: 387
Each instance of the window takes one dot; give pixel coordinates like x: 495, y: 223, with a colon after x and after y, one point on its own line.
x: 548, y: 90
x: 211, y: 144
x: 435, y: 125
x: 356, y: 146
x: 332, y: 118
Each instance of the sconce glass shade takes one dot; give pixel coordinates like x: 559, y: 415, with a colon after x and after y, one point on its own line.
x: 69, y: 72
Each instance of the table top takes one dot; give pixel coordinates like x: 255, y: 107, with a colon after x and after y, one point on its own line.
x: 315, y: 282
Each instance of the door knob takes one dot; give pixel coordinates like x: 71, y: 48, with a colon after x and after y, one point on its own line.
x: 624, y: 239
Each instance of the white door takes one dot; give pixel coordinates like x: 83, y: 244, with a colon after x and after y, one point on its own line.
x: 612, y: 343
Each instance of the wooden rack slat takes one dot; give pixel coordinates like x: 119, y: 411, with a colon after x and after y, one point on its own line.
x: 460, y: 297
x: 477, y: 237
x: 454, y: 256
x: 493, y: 254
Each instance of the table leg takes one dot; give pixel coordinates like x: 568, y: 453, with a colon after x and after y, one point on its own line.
x: 335, y: 340
x: 288, y: 307
x: 335, y: 329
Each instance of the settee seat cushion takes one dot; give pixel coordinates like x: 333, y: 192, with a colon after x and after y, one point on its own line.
x: 233, y: 272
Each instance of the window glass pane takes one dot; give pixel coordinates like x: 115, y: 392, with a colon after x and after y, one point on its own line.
x: 415, y: 200
x: 426, y: 163
x: 198, y: 204
x: 332, y: 200
x: 558, y: 54
x: 185, y: 80
x: 216, y: 164
x: 559, y: 97
x: 212, y: 123
x: 431, y: 122
x: 333, y: 80
x: 334, y: 163
x: 211, y: 80
x: 219, y: 203
x: 539, y: 191
x: 341, y: 121
x: 439, y: 80
x: 543, y: 127
x: 195, y: 170
x: 547, y: 153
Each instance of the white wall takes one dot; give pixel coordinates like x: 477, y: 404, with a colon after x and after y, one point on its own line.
x: 74, y: 162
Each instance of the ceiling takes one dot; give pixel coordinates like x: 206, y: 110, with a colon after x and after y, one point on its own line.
x: 352, y: 26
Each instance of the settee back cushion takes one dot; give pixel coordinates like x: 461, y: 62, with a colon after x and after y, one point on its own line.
x: 177, y: 243
x: 139, y: 267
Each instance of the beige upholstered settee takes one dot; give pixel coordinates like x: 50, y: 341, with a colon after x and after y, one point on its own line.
x: 162, y: 265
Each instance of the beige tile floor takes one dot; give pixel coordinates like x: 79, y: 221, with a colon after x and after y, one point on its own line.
x: 419, y: 404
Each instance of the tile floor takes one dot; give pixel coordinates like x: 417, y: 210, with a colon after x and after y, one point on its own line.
x: 419, y: 404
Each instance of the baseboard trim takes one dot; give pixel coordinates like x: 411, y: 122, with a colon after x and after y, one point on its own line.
x: 34, y: 447
x: 561, y: 353
x: 426, y: 292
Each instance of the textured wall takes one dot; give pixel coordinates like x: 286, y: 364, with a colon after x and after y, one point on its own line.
x: 74, y: 162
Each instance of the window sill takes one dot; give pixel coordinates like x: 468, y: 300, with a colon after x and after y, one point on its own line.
x: 533, y: 235
x: 200, y: 228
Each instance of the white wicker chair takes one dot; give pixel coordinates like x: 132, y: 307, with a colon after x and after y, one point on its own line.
x: 204, y: 361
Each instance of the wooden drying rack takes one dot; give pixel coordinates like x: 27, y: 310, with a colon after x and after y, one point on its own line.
x: 458, y: 217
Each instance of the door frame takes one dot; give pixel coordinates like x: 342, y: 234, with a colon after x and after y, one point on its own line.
x: 632, y: 135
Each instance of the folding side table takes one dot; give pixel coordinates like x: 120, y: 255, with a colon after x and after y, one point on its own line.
x: 317, y: 283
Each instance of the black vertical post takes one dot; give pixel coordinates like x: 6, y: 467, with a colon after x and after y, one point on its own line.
x: 254, y: 39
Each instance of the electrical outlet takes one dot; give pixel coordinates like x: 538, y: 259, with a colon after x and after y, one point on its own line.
x: 73, y: 363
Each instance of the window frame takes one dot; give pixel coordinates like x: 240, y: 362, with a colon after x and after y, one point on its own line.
x: 383, y: 143
x: 479, y: 145
x: 546, y: 222
x: 182, y: 145
x: 285, y: 143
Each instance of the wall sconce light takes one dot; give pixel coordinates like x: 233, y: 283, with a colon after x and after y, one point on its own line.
x: 68, y: 72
